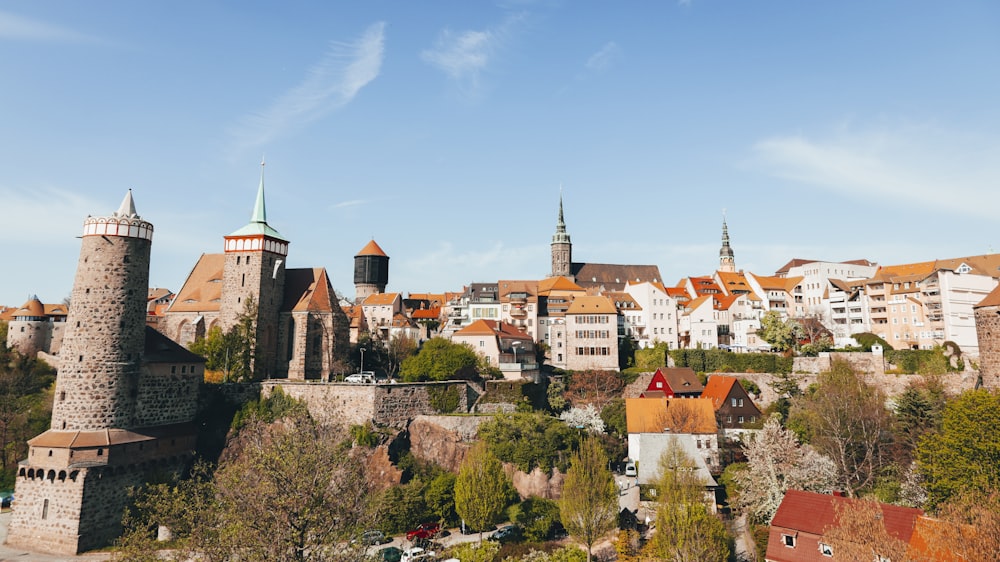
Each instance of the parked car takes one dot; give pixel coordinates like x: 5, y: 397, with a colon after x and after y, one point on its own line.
x: 505, y: 534
x: 631, y: 469
x: 374, y: 536
x: 427, y: 530
x: 390, y: 554
x: 416, y: 554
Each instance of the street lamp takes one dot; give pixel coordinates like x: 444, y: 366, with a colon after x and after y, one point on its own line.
x: 516, y: 345
x: 362, y: 360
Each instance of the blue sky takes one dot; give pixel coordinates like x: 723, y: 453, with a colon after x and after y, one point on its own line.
x: 444, y: 130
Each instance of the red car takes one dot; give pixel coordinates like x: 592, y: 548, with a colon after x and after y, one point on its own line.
x: 423, y: 531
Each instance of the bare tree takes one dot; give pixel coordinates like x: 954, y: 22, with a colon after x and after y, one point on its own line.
x: 859, y: 533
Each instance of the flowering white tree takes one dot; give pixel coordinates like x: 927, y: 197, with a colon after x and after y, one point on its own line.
x: 776, y: 462
x: 587, y: 417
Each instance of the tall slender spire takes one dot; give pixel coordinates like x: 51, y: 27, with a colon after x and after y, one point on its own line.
x: 727, y: 260
x: 259, y: 209
x: 562, y: 248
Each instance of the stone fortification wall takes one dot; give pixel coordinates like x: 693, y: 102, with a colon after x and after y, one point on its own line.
x: 891, y: 384
x: 389, y: 405
x: 168, y: 394
x: 988, y: 332
x: 29, y: 337
x: 330, y: 403
x: 871, y: 363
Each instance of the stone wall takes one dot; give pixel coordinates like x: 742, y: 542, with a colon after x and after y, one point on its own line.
x: 988, y: 331
x: 871, y: 363
x: 387, y: 405
x: 168, y: 393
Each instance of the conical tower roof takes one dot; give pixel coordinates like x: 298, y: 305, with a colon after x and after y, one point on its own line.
x: 371, y: 249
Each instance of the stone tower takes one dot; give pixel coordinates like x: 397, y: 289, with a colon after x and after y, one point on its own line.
x: 987, y: 315
x: 371, y: 272
x: 102, y: 347
x: 124, y: 401
x: 254, y: 268
x: 30, y: 330
x: 562, y: 248
x: 727, y: 261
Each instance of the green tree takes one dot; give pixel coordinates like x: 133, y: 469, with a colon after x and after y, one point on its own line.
x: 529, y: 440
x: 845, y: 419
x: 482, y: 489
x: 234, y: 352
x: 588, y: 506
x: 964, y: 455
x: 779, y: 333
x: 555, y: 394
x: 685, y: 529
x: 917, y: 412
x: 538, y: 518
x: 438, y: 360
x: 613, y: 415
x: 440, y: 497
x: 25, y: 407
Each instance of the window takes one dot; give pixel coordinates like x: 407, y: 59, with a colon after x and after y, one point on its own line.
x: 741, y: 402
x: 734, y: 402
x: 788, y: 540
x: 825, y: 549
x: 741, y: 419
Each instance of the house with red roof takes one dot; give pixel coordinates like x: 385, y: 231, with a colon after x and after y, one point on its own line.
x: 732, y: 404
x: 803, y: 518
x: 673, y: 382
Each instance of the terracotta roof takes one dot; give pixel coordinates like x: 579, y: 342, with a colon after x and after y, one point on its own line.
x: 718, y: 388
x: 693, y: 304
x: 923, y: 537
x: 33, y: 307
x: 725, y: 302
x: 7, y: 313
x: 992, y: 299
x: 308, y: 290
x: 591, y: 305
x: 492, y: 328
x: 202, y: 290
x: 371, y: 249
x: 87, y: 439
x: 642, y: 415
x: 427, y: 313
x: 813, y: 513
x: 557, y: 283
x: 380, y: 298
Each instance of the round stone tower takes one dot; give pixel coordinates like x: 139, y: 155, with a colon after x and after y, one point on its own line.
x: 30, y: 330
x: 371, y: 272
x: 105, y: 333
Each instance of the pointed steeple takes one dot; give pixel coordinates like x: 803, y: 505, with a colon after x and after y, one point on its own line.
x: 258, y: 219
x: 727, y: 260
x: 560, y: 237
x: 127, y: 208
x: 259, y: 208
x: 562, y: 248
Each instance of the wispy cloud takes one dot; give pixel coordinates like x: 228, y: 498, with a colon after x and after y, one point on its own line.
x: 602, y: 59
x: 329, y: 85
x: 910, y: 165
x: 20, y: 28
x: 350, y: 203
x: 463, y: 56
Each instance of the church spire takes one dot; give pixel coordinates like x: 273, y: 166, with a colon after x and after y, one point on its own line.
x: 259, y: 208
x: 727, y: 260
x: 127, y: 208
x: 562, y: 247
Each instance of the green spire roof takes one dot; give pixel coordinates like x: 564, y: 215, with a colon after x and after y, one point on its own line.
x: 258, y: 219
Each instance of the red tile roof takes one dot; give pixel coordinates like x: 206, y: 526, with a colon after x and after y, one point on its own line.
x: 811, y: 512
x: 718, y: 388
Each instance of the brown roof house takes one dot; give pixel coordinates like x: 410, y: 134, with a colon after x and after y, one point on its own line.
x: 733, y: 407
x: 803, y: 518
x: 673, y: 382
x: 654, y: 423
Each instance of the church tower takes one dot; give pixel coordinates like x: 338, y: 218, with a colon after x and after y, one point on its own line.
x: 562, y: 247
x: 254, y: 270
x: 727, y: 261
x: 371, y: 272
